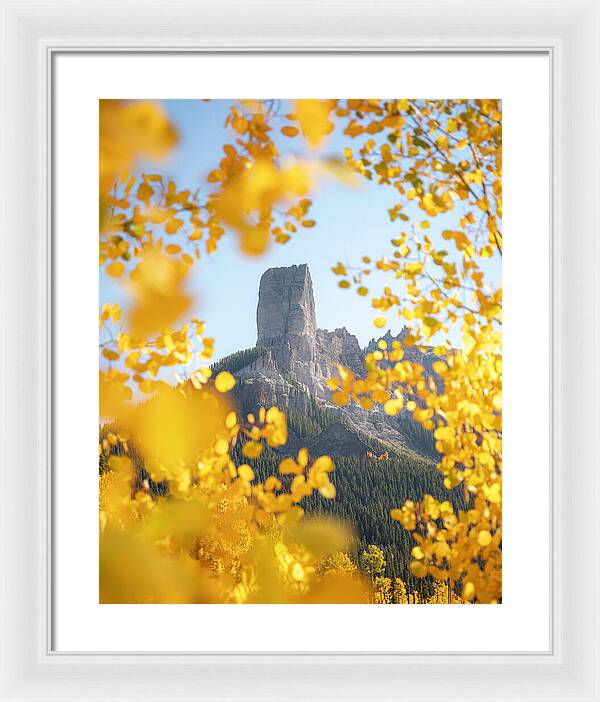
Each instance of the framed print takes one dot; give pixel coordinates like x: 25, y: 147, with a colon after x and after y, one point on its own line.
x: 300, y: 307
x: 281, y: 301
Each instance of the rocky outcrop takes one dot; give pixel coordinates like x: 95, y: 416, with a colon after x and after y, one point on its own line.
x: 339, y: 347
x: 286, y: 305
x: 298, y: 359
x: 286, y: 323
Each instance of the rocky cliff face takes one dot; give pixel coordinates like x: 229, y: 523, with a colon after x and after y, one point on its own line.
x: 286, y: 305
x: 297, y: 360
x: 342, y: 347
x: 287, y: 327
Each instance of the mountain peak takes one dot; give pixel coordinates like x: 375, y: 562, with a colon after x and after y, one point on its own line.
x: 286, y: 304
x: 290, y: 366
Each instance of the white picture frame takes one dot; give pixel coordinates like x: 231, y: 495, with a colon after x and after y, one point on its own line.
x: 33, y: 33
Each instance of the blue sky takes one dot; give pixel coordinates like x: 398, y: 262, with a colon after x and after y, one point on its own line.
x: 351, y: 223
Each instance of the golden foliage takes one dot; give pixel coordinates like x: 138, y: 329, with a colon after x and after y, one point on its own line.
x: 456, y: 152
x: 220, y: 534
x: 129, y: 131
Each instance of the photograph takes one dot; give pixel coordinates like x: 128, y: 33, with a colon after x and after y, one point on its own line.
x: 300, y: 351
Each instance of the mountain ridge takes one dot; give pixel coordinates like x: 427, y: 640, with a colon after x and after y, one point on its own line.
x: 292, y: 360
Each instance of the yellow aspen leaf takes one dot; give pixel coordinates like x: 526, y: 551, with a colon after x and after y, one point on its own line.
x: 333, y: 383
x: 418, y: 569
x: 468, y: 592
x: 272, y: 483
x: 323, y: 464
x: 290, y: 131
x: 173, y: 248
x: 354, y: 129
x: 289, y: 466
x: 252, y: 449
x: 392, y: 407
x: 144, y: 192
x: 380, y: 395
x: 366, y: 403
x: 214, y: 176
x: 374, y: 127
x: 173, y: 225
x: 344, y: 284
x: 380, y: 322
x: 115, y: 269
x: 240, y: 124
x: 246, y: 473
x: 313, y: 116
x: 224, y: 382
x: 221, y: 447
x: 431, y: 325
x: 484, y: 538
x: 328, y: 491
x: 413, y: 268
x: 303, y: 457
x: 340, y: 398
